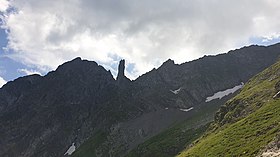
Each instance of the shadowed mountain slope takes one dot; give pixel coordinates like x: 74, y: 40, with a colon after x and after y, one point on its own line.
x: 81, y: 103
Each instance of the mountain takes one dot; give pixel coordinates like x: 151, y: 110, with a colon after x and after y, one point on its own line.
x: 248, y: 124
x: 80, y: 105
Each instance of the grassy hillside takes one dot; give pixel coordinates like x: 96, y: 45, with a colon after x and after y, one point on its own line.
x: 246, y: 123
x: 165, y: 145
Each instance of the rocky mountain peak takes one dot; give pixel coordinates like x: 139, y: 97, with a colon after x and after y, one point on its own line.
x: 169, y: 61
x: 121, y: 78
x: 83, y: 68
x: 77, y: 59
x: 121, y: 69
x: 169, y: 64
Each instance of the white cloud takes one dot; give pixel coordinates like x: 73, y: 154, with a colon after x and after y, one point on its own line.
x: 4, y: 4
x: 145, y: 33
x: 28, y: 72
x: 271, y: 37
x: 2, y: 82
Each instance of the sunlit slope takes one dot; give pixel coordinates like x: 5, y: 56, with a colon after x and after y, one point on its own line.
x: 246, y: 123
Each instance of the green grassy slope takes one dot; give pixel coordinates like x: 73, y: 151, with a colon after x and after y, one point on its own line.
x: 246, y: 123
x: 165, y: 145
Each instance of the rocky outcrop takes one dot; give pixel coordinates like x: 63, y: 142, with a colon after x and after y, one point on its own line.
x: 121, y: 69
x: 272, y: 149
x: 122, y: 80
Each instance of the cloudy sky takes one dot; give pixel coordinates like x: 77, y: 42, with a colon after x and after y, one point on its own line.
x: 37, y: 36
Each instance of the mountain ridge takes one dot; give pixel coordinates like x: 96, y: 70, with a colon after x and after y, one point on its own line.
x: 81, y: 99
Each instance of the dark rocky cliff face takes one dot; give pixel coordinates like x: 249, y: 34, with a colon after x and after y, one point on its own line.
x: 38, y: 113
x: 121, y: 70
x: 122, y: 80
x: 43, y: 115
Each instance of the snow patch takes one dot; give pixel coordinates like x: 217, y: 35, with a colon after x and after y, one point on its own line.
x: 176, y: 91
x: 224, y: 93
x: 71, y: 149
x: 186, y: 110
x: 277, y: 94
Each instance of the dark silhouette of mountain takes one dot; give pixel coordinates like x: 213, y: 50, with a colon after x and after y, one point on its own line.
x: 81, y: 102
x: 122, y: 80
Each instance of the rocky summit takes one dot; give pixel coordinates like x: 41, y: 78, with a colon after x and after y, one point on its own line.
x: 122, y: 80
x: 80, y: 108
